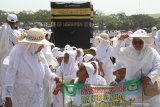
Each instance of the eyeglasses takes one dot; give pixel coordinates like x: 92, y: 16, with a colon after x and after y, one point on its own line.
x: 137, y: 42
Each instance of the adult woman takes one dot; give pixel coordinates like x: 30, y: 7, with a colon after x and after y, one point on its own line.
x: 26, y: 71
x: 140, y: 59
x: 103, y: 54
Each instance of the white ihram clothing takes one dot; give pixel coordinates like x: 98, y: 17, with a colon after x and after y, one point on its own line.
x: 68, y: 71
x: 147, y: 62
x: 97, y: 79
x: 25, y: 75
x: 157, y: 41
x: 7, y: 41
x: 47, y: 85
x: 103, y: 55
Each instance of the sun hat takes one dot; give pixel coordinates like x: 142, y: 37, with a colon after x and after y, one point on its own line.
x: 37, y: 36
x: 105, y: 37
x: 12, y: 18
x: 142, y: 34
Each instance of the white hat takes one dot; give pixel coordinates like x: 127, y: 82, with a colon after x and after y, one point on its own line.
x: 105, y: 36
x: 93, y: 48
x: 87, y: 57
x: 140, y: 34
x: 36, y: 35
x: 118, y: 65
x: 90, y: 69
x: 59, y: 54
x: 12, y: 18
x: 154, y: 28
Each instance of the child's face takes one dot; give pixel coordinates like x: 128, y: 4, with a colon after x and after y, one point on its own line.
x: 120, y: 74
x: 92, y: 52
x: 66, y: 58
x: 82, y: 73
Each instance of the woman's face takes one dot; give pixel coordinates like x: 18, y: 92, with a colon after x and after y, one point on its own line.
x: 138, y: 44
x: 66, y: 58
x: 82, y: 73
x: 78, y: 53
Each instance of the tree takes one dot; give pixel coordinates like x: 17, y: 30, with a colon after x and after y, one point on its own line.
x: 142, y: 21
x: 43, y: 16
x: 3, y: 16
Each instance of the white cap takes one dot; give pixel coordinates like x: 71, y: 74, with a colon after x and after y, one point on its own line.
x: 154, y: 28
x: 87, y: 57
x: 12, y: 18
x: 117, y: 66
x: 90, y: 69
x: 93, y: 48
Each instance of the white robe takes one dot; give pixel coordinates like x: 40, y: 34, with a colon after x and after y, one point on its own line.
x: 157, y: 41
x: 103, y: 55
x: 147, y: 62
x: 24, y: 77
x: 47, y: 85
x: 7, y: 41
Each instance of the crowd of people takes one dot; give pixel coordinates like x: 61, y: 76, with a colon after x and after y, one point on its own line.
x: 32, y: 69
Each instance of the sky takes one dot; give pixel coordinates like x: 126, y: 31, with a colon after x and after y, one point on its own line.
x: 106, y: 6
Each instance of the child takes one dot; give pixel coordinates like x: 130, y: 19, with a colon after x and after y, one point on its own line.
x: 119, y: 71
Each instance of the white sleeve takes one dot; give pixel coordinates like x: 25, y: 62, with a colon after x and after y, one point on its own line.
x: 69, y: 77
x: 10, y: 80
x: 108, y: 55
x: 156, y: 67
x: 116, y: 51
x: 48, y: 74
x: 13, y: 38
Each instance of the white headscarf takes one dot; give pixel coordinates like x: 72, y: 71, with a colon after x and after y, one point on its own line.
x: 95, y: 62
x: 55, y: 50
x: 88, y: 57
x: 70, y: 67
x: 80, y: 59
x: 102, y: 48
x: 138, y: 57
x: 27, y: 51
x: 90, y: 69
x: 97, y: 79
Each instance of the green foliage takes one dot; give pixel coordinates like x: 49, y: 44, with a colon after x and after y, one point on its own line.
x: 120, y: 21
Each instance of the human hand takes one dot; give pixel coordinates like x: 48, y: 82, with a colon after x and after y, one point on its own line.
x: 123, y: 36
x: 145, y: 80
x: 8, y: 102
x: 52, y: 69
x: 58, y: 80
